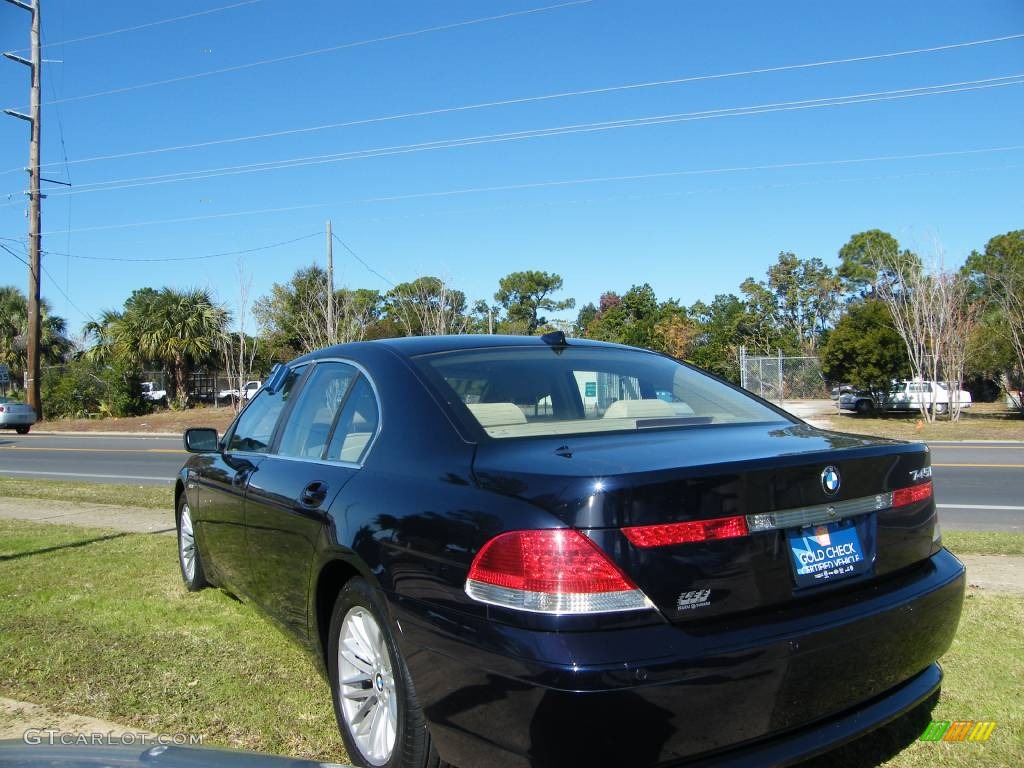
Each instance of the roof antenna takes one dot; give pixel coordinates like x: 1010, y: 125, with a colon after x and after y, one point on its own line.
x: 555, y: 339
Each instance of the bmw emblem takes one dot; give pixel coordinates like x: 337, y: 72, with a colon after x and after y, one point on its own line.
x: 830, y: 480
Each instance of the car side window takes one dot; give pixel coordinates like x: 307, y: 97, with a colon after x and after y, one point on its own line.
x: 309, y: 425
x: 255, y: 427
x: 357, y: 424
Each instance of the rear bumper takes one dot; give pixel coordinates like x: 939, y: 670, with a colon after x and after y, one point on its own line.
x: 9, y: 420
x: 770, y: 690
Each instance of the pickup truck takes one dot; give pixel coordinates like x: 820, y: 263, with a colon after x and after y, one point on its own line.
x: 250, y: 389
x: 152, y: 392
x: 905, y: 396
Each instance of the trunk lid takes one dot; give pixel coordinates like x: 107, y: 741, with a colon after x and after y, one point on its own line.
x: 604, y: 483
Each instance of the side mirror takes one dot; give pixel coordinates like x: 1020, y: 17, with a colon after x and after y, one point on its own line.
x: 201, y: 440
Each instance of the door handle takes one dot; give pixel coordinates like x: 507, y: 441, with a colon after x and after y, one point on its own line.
x: 313, y: 495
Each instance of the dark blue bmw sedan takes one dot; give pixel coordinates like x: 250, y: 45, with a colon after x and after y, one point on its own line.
x: 513, y: 551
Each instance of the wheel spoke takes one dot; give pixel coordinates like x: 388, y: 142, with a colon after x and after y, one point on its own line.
x: 355, y: 661
x: 360, y: 718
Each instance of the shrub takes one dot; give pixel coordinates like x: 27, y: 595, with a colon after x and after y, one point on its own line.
x: 81, y: 387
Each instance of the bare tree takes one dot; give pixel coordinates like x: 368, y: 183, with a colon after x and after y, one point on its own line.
x: 951, y: 297
x: 312, y: 322
x: 238, y: 350
x: 429, y: 306
x: 1008, y: 294
x: 932, y: 314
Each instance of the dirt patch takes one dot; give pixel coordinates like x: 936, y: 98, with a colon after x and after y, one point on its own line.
x: 996, y: 573
x: 16, y: 717
x: 174, y: 422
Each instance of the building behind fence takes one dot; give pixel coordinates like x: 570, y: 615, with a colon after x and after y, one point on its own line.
x: 778, y: 377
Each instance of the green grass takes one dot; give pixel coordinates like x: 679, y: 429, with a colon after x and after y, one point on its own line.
x: 150, y: 496
x: 97, y: 623
x: 983, y: 542
x: 979, y: 423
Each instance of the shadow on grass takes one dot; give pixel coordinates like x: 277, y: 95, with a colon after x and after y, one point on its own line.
x: 82, y: 543
x: 881, y: 744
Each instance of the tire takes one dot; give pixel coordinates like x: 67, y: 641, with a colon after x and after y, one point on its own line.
x: 864, y: 407
x: 22, y: 430
x: 383, y: 685
x: 941, y: 408
x: 192, y: 573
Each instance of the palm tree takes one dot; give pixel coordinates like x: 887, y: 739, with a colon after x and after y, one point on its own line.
x: 176, y: 328
x: 53, y: 340
x: 173, y: 329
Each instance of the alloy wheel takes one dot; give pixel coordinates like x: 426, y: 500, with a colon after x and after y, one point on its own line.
x: 367, y: 692
x: 187, y: 544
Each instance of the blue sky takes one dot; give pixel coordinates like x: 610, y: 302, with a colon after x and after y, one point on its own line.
x: 690, y: 236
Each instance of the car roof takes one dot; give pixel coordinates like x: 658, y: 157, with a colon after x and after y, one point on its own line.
x: 411, y: 346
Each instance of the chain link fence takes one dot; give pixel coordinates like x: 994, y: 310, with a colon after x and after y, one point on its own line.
x: 779, y: 377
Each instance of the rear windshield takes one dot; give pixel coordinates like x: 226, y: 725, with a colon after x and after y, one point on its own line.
x: 531, y: 391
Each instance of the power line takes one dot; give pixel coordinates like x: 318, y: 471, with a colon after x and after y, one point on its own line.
x: 360, y: 260
x: 554, y: 183
x: 60, y: 290
x: 19, y: 258
x: 67, y: 173
x: 188, y: 258
x: 147, y: 25
x: 319, y: 51
x: 831, y: 101
x: 542, y: 97
x: 690, y: 192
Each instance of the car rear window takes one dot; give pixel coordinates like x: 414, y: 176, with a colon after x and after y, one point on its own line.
x: 540, y: 391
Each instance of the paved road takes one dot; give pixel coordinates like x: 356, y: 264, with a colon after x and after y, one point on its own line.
x: 100, y: 459
x: 979, y: 486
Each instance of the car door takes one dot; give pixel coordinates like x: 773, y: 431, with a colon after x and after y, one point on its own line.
x: 222, y: 481
x: 289, y: 495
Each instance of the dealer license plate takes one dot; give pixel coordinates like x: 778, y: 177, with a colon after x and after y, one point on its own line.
x: 826, y: 553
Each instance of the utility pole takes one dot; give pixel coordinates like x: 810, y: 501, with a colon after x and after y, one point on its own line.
x: 332, y: 337
x: 32, y: 374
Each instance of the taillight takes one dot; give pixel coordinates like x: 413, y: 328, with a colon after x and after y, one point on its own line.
x: 901, y: 497
x: 663, y: 535
x: 1, y: 409
x: 550, y: 571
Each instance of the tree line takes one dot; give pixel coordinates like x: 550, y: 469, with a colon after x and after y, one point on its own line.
x: 883, y: 313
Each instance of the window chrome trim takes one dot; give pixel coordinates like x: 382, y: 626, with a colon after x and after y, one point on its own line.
x: 373, y: 440
x: 816, y: 514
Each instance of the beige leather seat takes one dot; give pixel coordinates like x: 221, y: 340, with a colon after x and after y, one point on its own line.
x: 496, y: 414
x: 639, y: 409
x: 354, y: 445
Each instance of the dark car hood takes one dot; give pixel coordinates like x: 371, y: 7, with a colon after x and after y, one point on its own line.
x: 611, y: 480
x: 15, y: 752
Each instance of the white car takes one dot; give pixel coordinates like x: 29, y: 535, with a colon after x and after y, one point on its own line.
x: 250, y: 389
x: 17, y: 416
x: 907, y: 396
x: 153, y: 393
